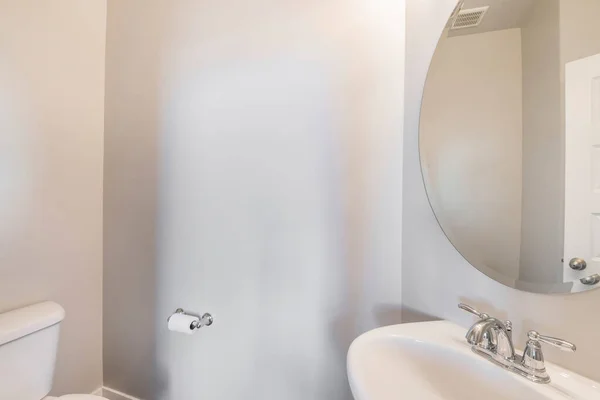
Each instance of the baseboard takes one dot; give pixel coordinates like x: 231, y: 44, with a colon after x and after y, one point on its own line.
x: 112, y: 394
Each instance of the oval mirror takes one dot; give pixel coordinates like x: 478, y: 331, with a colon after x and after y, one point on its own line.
x: 510, y: 140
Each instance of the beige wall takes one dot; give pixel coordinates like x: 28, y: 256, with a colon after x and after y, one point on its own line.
x: 51, y: 123
x: 474, y: 88
x: 579, y: 29
x: 434, y: 276
x: 543, y: 147
x: 279, y: 129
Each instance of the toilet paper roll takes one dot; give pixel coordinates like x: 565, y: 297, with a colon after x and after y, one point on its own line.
x: 182, y: 323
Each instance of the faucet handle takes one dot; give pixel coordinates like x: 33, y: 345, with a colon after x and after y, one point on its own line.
x: 560, y: 343
x: 468, y: 308
x: 533, y: 357
x: 473, y: 311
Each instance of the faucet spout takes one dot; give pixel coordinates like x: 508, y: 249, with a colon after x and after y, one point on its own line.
x: 492, y: 335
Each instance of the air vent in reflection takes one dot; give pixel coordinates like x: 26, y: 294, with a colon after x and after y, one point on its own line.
x: 469, y: 18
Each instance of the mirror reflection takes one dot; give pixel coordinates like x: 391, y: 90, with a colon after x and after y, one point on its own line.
x: 510, y: 140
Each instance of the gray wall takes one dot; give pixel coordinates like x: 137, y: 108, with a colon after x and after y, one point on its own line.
x: 274, y: 129
x: 130, y: 195
x: 51, y: 123
x: 543, y: 147
x: 475, y: 176
x: 434, y: 276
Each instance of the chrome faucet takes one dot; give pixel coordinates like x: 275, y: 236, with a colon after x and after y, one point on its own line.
x: 492, y: 335
x: 491, y: 338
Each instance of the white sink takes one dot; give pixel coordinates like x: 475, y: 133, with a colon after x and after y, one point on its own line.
x: 432, y: 361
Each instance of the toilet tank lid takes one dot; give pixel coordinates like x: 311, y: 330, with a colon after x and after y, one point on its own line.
x: 27, y: 320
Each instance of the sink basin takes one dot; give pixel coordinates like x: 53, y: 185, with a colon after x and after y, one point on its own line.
x: 432, y: 361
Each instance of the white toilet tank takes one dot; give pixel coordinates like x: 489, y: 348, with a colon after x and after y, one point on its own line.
x: 28, y: 344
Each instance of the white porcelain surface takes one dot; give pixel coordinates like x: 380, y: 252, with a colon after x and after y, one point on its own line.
x: 24, y: 321
x: 27, y: 365
x: 76, y: 397
x: 28, y: 343
x: 432, y: 361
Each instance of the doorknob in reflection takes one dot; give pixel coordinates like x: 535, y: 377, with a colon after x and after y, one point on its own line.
x: 578, y: 264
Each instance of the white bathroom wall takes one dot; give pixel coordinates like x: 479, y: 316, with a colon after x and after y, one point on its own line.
x: 434, y: 276
x: 51, y: 124
x: 276, y: 133
x: 471, y: 144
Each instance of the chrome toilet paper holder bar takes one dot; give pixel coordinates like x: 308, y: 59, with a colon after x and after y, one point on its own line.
x: 205, y: 320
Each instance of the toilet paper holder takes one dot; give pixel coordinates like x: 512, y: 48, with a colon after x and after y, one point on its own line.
x: 205, y: 320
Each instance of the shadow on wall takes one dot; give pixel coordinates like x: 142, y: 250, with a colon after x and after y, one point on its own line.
x: 132, y: 124
x: 18, y: 182
x: 410, y: 315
